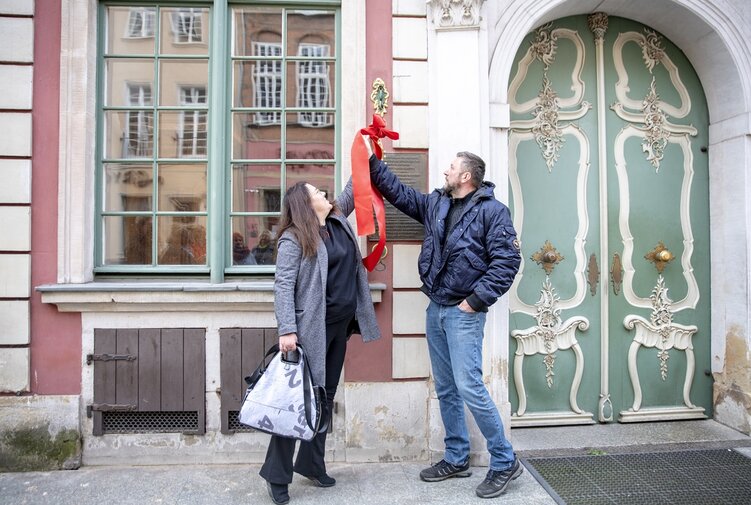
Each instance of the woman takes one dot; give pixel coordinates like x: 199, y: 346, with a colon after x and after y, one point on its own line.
x: 318, y: 271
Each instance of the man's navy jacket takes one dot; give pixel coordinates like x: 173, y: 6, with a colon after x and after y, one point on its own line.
x: 480, y: 258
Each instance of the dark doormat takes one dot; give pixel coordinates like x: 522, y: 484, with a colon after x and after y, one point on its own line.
x: 712, y: 477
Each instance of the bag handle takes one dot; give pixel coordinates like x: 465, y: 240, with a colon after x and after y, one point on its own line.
x: 321, y: 404
x: 251, y: 379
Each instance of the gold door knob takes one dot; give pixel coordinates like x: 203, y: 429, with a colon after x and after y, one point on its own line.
x: 665, y: 255
x: 660, y: 256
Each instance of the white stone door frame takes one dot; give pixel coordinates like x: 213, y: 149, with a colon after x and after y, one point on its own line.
x: 715, y: 38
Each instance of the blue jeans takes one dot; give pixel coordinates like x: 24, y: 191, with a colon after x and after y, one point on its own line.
x: 455, y: 344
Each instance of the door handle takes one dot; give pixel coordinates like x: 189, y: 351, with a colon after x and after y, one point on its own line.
x: 660, y: 256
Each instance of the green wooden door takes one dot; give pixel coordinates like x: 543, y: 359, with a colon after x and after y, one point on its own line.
x: 609, y: 193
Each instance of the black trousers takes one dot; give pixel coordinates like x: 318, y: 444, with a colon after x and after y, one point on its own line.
x: 278, y: 466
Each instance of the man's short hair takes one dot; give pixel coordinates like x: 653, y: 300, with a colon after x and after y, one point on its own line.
x: 474, y: 165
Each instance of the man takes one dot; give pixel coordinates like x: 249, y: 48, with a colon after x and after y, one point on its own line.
x: 469, y: 258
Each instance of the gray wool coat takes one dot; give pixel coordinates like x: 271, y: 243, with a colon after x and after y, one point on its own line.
x: 300, y: 293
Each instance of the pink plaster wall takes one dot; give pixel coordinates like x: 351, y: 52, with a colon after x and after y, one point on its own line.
x: 55, y: 337
x: 372, y: 362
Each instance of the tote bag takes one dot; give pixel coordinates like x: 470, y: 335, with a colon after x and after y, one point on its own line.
x: 281, y: 398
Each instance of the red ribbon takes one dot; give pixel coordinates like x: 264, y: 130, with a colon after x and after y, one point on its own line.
x: 367, y: 197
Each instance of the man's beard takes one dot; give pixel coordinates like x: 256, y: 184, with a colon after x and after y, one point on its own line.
x: 449, y: 188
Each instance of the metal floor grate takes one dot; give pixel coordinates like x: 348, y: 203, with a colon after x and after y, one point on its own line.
x: 712, y: 477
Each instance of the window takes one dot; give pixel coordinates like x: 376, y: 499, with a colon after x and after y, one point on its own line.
x: 186, y: 25
x: 138, y: 139
x: 158, y: 106
x: 267, y: 76
x: 193, y: 127
x: 140, y: 22
x: 313, y: 85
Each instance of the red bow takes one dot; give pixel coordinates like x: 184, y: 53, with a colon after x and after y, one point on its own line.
x: 367, y: 197
x: 377, y: 130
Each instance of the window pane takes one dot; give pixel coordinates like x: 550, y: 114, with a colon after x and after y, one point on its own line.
x: 313, y: 89
x: 130, y: 30
x: 254, y: 240
x: 305, y: 142
x: 254, y: 140
x: 309, y: 27
x: 256, y: 188
x: 185, y: 30
x: 183, y: 134
x: 129, y: 134
x: 254, y: 25
x: 128, y: 187
x: 127, y: 240
x: 129, y: 82
x: 258, y: 84
x: 319, y: 175
x: 177, y: 75
x: 182, y: 240
x: 182, y: 188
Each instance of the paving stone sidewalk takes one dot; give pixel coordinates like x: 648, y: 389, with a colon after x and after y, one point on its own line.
x: 357, y: 484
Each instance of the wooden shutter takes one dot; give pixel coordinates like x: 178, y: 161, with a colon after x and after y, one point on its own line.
x: 149, y: 380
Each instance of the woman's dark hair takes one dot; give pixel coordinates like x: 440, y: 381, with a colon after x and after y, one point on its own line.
x: 299, y: 218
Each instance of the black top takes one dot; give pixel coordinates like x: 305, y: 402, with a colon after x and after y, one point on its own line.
x: 341, y: 283
x: 455, y: 213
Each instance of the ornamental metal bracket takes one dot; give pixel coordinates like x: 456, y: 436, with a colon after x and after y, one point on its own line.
x: 380, y: 97
x: 547, y: 257
x: 593, y: 274
x: 616, y: 274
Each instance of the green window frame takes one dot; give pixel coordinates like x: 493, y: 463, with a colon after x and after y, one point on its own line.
x: 131, y: 149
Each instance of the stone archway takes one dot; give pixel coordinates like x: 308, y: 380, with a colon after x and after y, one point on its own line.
x: 721, y: 55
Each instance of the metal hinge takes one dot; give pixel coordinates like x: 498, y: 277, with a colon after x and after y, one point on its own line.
x: 108, y: 407
x: 109, y: 357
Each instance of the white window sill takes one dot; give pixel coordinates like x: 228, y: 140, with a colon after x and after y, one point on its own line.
x: 170, y: 296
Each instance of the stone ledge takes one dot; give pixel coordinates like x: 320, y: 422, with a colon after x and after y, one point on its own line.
x: 167, y: 296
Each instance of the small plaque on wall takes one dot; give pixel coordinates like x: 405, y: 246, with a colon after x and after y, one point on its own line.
x: 412, y: 170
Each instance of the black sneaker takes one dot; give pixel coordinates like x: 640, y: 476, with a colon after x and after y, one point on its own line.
x: 496, y: 482
x: 279, y: 493
x: 322, y: 480
x: 444, y: 470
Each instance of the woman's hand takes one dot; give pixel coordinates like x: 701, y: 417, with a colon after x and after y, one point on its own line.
x: 368, y: 144
x: 288, y: 342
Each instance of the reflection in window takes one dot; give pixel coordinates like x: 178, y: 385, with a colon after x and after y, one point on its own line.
x: 186, y: 25
x: 138, y: 141
x: 313, y: 85
x: 192, y: 132
x: 267, y: 81
x: 140, y: 22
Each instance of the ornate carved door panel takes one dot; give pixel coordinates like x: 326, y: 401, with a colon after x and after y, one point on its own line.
x: 608, y: 183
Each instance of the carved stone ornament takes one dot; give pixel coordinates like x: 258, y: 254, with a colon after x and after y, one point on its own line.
x: 545, y: 45
x: 653, y: 49
x: 548, y: 336
x: 660, y: 332
x: 656, y: 137
x: 547, y: 129
x: 598, y: 24
x: 455, y: 13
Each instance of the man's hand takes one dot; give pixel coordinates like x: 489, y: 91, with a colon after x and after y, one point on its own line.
x: 465, y: 307
x: 288, y: 342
